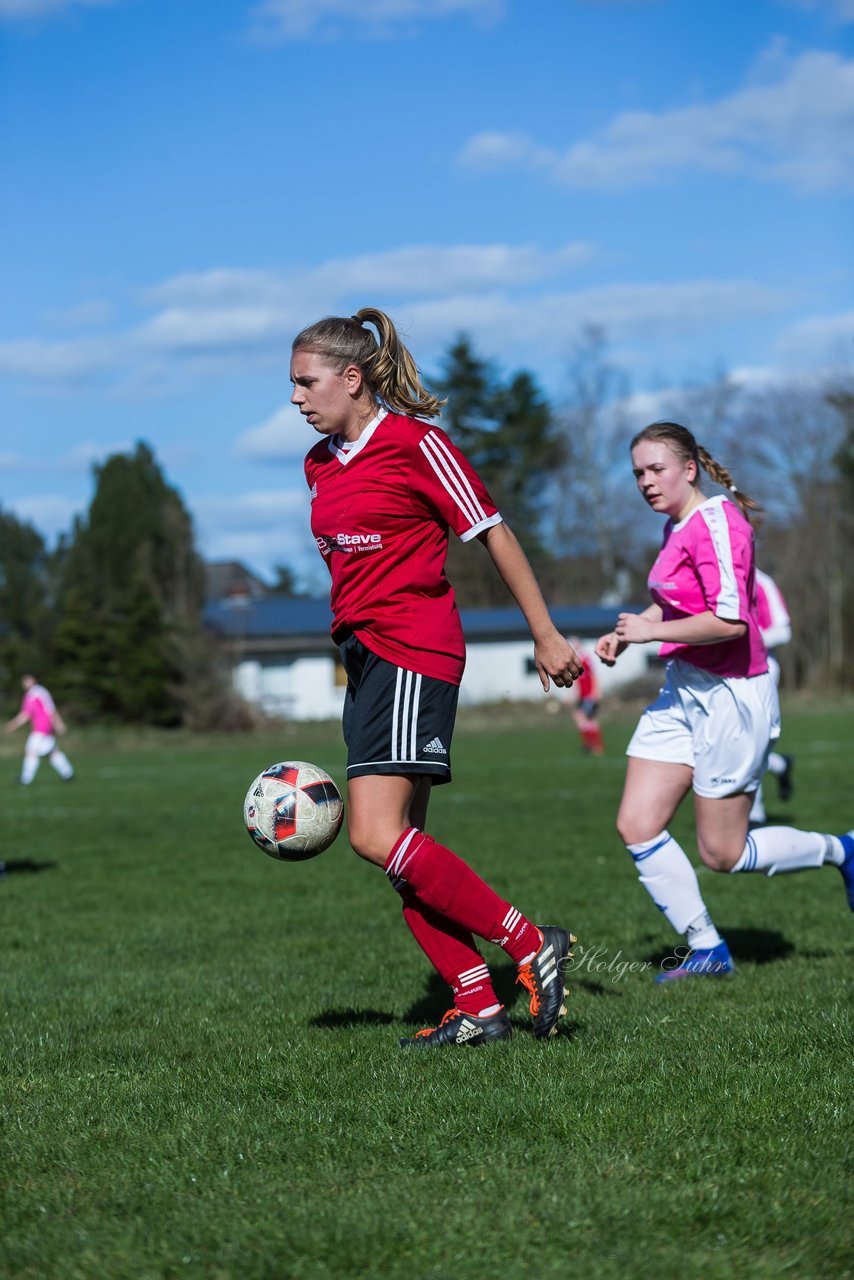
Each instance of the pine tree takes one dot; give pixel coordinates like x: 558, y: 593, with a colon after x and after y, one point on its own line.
x: 24, y: 603
x: 129, y: 641
x: 506, y: 430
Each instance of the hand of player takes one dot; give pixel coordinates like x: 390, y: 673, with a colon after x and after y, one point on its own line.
x: 556, y: 659
x: 634, y: 628
x: 608, y: 648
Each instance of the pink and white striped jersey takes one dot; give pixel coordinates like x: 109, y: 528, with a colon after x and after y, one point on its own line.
x: 38, y: 706
x: 706, y: 563
x: 381, y: 513
x: 772, y: 612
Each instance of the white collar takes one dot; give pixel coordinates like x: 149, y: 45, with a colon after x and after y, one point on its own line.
x: 346, y: 451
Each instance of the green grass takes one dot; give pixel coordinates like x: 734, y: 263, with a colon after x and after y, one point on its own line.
x: 199, y: 1053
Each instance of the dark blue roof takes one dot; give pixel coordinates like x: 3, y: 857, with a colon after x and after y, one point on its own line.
x: 281, y: 616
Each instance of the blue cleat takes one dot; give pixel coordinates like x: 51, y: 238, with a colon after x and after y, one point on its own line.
x: 847, y: 867
x: 712, y: 962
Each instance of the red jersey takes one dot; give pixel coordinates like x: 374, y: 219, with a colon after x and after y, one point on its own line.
x: 586, y: 684
x: 381, y: 511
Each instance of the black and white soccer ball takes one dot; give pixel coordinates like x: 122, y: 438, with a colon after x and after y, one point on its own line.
x: 293, y: 810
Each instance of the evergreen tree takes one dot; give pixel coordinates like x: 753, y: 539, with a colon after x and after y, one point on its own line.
x: 24, y: 603
x: 505, y: 429
x: 129, y: 644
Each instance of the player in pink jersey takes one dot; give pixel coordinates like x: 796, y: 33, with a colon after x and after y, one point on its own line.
x: 711, y: 726
x: 775, y: 626
x: 38, y: 710
x: 386, y: 489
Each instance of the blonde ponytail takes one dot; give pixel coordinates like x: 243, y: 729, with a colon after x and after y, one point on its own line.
x: 390, y: 373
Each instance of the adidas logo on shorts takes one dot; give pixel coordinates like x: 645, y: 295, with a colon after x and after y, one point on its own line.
x: 435, y: 748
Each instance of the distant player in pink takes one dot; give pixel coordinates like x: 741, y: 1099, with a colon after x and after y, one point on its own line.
x: 38, y: 710
x: 775, y: 626
x: 387, y: 488
x: 711, y: 726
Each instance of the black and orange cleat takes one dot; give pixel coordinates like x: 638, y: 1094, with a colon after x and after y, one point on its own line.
x: 544, y: 976
x: 463, y: 1029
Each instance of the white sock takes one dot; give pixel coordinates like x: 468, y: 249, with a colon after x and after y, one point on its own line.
x: 29, y: 768
x: 669, y: 879
x: 773, y: 850
x: 757, y: 809
x: 701, y: 934
x: 61, y: 764
x: 776, y: 763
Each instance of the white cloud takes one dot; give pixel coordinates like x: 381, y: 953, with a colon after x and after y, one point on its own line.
x: 24, y: 10
x: 86, y: 315
x: 516, y: 302
x: 262, y: 527
x: 411, y: 270
x: 335, y: 19
x: 283, y: 436
x: 71, y: 361
x: 840, y: 10
x: 517, y: 328
x: 829, y: 339
x: 792, y: 125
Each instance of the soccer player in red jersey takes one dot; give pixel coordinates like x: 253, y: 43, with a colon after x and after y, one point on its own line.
x: 585, y: 705
x: 709, y: 731
x: 387, y: 487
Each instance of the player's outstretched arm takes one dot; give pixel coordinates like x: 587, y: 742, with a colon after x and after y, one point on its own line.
x: 15, y: 722
x: 554, y: 656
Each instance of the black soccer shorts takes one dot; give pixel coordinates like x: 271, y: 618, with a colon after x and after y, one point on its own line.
x: 395, y: 721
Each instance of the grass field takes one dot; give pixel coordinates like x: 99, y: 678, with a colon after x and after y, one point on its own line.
x: 199, y: 1054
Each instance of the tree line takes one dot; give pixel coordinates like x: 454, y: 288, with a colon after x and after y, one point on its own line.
x: 115, y: 611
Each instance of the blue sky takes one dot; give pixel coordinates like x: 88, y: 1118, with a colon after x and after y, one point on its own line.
x: 186, y: 183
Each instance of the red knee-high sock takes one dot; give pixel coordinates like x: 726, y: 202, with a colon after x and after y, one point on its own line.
x: 452, y: 953
x: 441, y: 880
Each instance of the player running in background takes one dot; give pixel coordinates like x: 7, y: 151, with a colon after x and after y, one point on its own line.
x: 710, y: 727
x: 775, y: 626
x: 386, y: 488
x: 585, y: 706
x: 38, y: 710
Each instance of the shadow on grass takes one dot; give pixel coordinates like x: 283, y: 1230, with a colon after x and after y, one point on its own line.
x: 437, y: 998
x: 752, y: 946
x: 429, y: 1008
x: 15, y: 865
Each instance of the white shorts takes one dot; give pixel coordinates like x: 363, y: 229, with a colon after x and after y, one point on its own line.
x: 720, y: 726
x: 40, y: 744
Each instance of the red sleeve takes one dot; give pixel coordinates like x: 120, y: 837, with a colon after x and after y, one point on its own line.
x: 443, y: 481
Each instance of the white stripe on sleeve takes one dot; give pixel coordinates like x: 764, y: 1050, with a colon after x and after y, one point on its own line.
x: 728, y: 603
x: 452, y: 477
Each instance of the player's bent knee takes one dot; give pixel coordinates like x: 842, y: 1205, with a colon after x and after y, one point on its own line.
x: 370, y: 843
x: 720, y: 858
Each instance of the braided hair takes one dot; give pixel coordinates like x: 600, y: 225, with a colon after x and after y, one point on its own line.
x: 683, y: 444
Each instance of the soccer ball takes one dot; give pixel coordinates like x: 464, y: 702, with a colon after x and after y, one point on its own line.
x: 293, y: 811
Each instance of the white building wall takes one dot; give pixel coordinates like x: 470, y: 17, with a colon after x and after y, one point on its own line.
x: 299, y: 688
x: 498, y: 671
x: 304, y: 688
